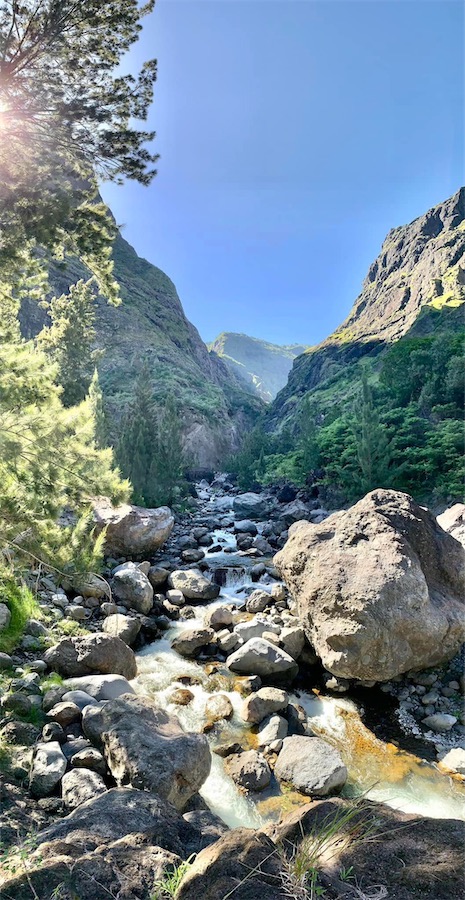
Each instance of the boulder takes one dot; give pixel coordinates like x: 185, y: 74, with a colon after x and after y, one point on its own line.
x: 379, y: 588
x: 132, y: 587
x: 193, y: 585
x: 246, y: 526
x: 124, y: 627
x: 263, y: 703
x: 5, y: 617
x: 273, y: 728
x: 257, y: 601
x: 80, y: 785
x: 157, y: 576
x: 249, y: 770
x: 89, y: 758
x: 255, y: 628
x: 453, y: 760
x: 218, y: 617
x: 311, y: 765
x: 250, y: 506
x: 100, y: 687
x: 190, y: 643
x: 80, y: 698
x: 147, y: 748
x: 218, y: 707
x: 94, y: 653
x: 293, y: 640
x: 259, y: 657
x: 440, y: 722
x: 132, y: 531
x: 453, y: 521
x: 295, y: 511
x: 48, y: 767
x: 65, y: 713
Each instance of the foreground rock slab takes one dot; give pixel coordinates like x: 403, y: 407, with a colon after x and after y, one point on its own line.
x: 311, y: 765
x: 132, y: 531
x: 380, y: 587
x: 92, y: 654
x: 147, y: 748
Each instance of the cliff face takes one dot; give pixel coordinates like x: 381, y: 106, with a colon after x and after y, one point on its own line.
x: 262, y: 367
x: 150, y: 325
x: 420, y: 270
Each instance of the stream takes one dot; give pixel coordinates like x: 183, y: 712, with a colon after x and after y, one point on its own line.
x: 377, y: 770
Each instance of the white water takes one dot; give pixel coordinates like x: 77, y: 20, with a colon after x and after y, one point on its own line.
x: 378, y: 770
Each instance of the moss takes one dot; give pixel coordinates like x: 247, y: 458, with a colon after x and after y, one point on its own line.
x: 22, y: 605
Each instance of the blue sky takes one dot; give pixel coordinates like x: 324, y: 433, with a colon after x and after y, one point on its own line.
x: 293, y: 135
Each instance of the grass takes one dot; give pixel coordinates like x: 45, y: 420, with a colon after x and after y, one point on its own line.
x: 167, y: 886
x: 22, y: 605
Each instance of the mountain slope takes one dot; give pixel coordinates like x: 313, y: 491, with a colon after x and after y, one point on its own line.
x: 420, y: 269
x: 263, y: 367
x: 150, y: 325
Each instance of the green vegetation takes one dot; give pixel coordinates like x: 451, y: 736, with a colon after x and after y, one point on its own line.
x: 22, y: 605
x: 166, y: 887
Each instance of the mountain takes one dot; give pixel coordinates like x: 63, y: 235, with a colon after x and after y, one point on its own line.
x: 261, y: 366
x: 150, y: 324
x: 416, y: 284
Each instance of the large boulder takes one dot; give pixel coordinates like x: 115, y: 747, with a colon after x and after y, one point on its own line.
x: 92, y: 654
x: 193, y: 585
x: 311, y: 765
x: 250, y: 506
x: 132, y: 588
x: 259, y: 657
x: 119, y: 844
x: 190, y: 642
x: 147, y: 748
x: 48, y: 767
x: 100, y: 687
x: 379, y: 588
x: 132, y: 530
x: 249, y: 770
x: 125, y: 627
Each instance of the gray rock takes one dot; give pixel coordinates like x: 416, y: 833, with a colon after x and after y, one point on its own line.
x: 5, y: 617
x: 257, y: 601
x: 453, y: 760
x: 64, y: 713
x: 246, y: 526
x: 5, y: 662
x: 132, y: 530
x: 440, y: 721
x: 296, y: 511
x: 157, y: 576
x: 218, y: 617
x: 258, y: 657
x: 250, y: 505
x: 263, y: 703
x: 147, y: 748
x: 227, y: 640
x: 133, y: 588
x: 100, y: 687
x: 76, y: 612
x: 273, y: 728
x: 189, y: 643
x: 293, y: 640
x: 89, y: 758
x: 80, y: 785
x: 175, y: 598
x: 218, y: 707
x: 52, y: 731
x: 124, y: 627
x: 92, y: 654
x: 255, y: 628
x: 17, y: 703
x: 311, y: 765
x: 193, y: 585
x: 250, y: 770
x: 80, y: 698
x: 48, y: 767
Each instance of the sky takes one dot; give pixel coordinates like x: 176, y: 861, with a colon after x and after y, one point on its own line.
x: 293, y: 135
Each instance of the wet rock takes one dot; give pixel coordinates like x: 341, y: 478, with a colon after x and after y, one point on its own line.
x: 218, y: 707
x: 193, y: 585
x: 48, y: 767
x: 273, y: 728
x: 181, y: 696
x: 100, y: 687
x: 379, y: 588
x: 80, y: 785
x: 258, y: 657
x: 132, y: 531
x: 311, y: 765
x: 190, y: 643
x: 453, y: 760
x: 146, y: 747
x: 192, y: 556
x: 132, y: 588
x: 257, y: 601
x: 263, y: 703
x: 92, y: 654
x: 440, y: 722
x: 246, y: 526
x: 124, y: 627
x: 249, y: 770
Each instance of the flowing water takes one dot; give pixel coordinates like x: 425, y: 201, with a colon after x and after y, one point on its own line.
x: 378, y: 770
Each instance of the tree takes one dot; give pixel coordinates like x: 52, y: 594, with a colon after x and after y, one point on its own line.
x: 66, y: 119
x: 371, y: 441
x: 98, y: 412
x: 170, y: 460
x: 69, y: 341
x: 308, y: 442
x: 137, y: 442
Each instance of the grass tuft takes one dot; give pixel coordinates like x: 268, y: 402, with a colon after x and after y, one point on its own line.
x: 22, y: 605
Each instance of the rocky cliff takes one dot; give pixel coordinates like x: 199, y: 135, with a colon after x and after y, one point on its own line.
x: 262, y: 367
x: 417, y: 280
x: 150, y: 325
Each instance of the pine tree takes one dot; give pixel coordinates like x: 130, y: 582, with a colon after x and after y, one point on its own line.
x: 98, y: 412
x: 169, y: 460
x: 373, y: 449
x: 138, y: 438
x: 307, y: 441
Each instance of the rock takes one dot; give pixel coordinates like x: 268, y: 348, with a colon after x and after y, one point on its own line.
x: 249, y: 770
x: 257, y: 601
x: 453, y: 521
x: 174, y: 598
x: 181, y: 696
x: 132, y: 530
x: 379, y: 588
x: 80, y: 698
x: 246, y: 526
x: 5, y: 662
x: 94, y: 586
x: 5, y: 617
x: 453, y: 760
x: 48, y: 767
x: 89, y: 758
x: 190, y: 643
x: 22, y: 733
x: 71, y: 747
x: 133, y: 588
x: 311, y: 765
x: 124, y: 627
x: 255, y: 628
x: 94, y: 653
x: 260, y: 543
x: 241, y: 865
x: 259, y: 657
x: 52, y: 731
x: 52, y: 696
x: 273, y: 728
x: 100, y: 687
x: 218, y: 707
x: 250, y: 505
x: 287, y: 494
x: 263, y: 703
x: 293, y: 640
x: 157, y: 576
x: 440, y: 722
x: 210, y: 826
x: 278, y: 592
x: 81, y: 785
x: 192, y: 556
x: 146, y: 747
x: 17, y: 703
x: 218, y: 617
x: 65, y: 713
x: 193, y: 585
x: 296, y: 511
x: 76, y: 613
x: 227, y: 640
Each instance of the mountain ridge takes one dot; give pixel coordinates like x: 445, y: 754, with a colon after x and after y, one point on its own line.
x: 261, y: 365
